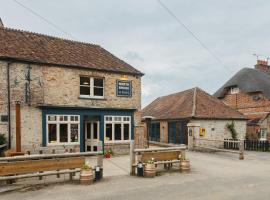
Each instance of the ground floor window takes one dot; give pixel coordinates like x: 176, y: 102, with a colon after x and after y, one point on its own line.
x: 117, y: 128
x: 63, y: 129
x: 155, y: 131
x: 263, y: 134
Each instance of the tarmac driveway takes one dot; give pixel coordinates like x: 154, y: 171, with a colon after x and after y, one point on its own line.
x: 213, y: 176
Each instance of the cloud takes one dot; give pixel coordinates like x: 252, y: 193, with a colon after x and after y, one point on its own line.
x: 143, y: 34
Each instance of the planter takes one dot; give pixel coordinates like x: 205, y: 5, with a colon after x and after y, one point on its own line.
x: 150, y: 170
x: 107, y: 155
x: 86, y: 177
x: 184, y: 165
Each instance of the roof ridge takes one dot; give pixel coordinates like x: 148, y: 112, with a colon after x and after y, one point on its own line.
x: 49, y: 36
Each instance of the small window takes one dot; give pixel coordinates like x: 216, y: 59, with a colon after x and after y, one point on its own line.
x: 91, y: 87
x: 4, y: 118
x: 234, y: 90
x: 52, y: 118
x: 126, y: 131
x: 74, y: 132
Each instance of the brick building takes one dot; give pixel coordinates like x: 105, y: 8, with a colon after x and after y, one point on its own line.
x: 172, y: 113
x: 71, y: 94
x: 248, y: 91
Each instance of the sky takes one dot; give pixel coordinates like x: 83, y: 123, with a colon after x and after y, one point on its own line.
x: 145, y: 35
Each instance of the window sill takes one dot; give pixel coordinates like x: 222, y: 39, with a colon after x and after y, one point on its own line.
x: 117, y: 142
x: 62, y: 144
x: 92, y: 98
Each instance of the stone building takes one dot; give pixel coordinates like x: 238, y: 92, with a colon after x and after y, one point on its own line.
x: 71, y: 94
x: 171, y: 115
x: 248, y: 91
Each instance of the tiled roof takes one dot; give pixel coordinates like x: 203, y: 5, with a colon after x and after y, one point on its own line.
x: 192, y: 103
x: 257, y: 118
x: 38, y: 48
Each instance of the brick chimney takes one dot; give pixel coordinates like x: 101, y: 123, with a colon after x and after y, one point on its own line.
x: 1, y: 23
x: 263, y: 66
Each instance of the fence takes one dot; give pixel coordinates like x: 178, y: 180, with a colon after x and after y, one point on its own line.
x: 251, y: 145
x: 229, y: 146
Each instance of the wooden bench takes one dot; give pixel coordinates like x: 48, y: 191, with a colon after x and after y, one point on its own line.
x: 166, y: 156
x: 12, y: 168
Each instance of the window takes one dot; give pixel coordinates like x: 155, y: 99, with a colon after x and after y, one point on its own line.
x: 155, y: 131
x: 263, y: 134
x: 63, y: 129
x: 4, y: 118
x: 118, y: 128
x: 234, y: 90
x: 91, y: 87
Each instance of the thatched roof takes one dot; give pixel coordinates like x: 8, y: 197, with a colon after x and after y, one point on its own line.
x: 247, y: 80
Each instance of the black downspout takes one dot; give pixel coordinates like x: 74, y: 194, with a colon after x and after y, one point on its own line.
x: 9, y: 105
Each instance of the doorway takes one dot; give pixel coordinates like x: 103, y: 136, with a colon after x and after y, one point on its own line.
x: 91, y: 135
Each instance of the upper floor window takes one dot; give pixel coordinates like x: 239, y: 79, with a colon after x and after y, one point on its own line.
x: 91, y: 87
x: 234, y: 90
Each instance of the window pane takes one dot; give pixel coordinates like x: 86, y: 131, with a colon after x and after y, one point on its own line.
x: 95, y: 130
x: 52, y: 118
x: 74, y: 132
x: 52, y: 133
x: 126, y: 131
x: 63, y: 133
x: 98, y: 82
x: 98, y: 91
x: 108, y: 131
x: 84, y: 90
x: 117, y: 131
x: 84, y: 81
x: 88, y: 131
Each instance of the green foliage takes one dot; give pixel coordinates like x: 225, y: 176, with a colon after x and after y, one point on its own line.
x: 231, y: 128
x: 86, y: 167
x: 152, y: 161
x: 3, y: 139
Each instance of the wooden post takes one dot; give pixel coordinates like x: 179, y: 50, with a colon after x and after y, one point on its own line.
x: 70, y: 174
x: 241, y: 150
x: 132, y: 158
x: 40, y: 177
x: 100, y: 157
x: 18, y: 127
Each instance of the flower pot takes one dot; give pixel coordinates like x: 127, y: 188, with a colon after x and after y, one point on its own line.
x: 184, y: 165
x: 86, y: 177
x: 150, y: 170
x: 107, y: 155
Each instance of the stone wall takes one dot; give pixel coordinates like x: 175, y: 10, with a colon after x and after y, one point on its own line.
x: 217, y: 130
x: 51, y: 85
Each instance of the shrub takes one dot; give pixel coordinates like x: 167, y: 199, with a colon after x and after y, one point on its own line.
x: 231, y: 128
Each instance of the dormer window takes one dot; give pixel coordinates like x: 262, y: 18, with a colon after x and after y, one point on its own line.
x: 234, y: 90
x: 91, y: 87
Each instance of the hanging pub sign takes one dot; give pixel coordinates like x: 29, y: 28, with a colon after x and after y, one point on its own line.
x: 123, y: 88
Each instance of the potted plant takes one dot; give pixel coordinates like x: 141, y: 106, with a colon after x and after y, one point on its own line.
x: 86, y: 175
x: 150, y: 169
x: 109, y: 153
x: 184, y: 163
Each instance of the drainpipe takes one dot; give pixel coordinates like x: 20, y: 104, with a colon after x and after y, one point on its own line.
x: 9, y: 105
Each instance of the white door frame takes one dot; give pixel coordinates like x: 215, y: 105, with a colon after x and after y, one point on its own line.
x: 92, y: 142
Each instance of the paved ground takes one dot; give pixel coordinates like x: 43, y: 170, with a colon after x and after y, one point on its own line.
x: 213, y: 176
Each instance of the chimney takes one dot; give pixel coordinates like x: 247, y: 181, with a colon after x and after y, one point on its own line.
x: 1, y: 23
x: 263, y: 66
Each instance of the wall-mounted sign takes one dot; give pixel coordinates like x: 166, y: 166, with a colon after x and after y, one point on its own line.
x: 123, y: 88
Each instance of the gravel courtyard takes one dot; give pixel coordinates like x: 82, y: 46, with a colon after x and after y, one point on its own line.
x: 214, y: 176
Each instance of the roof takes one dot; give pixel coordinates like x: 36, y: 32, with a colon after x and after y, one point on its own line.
x: 247, y: 80
x: 257, y: 118
x: 192, y: 103
x: 37, y: 48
